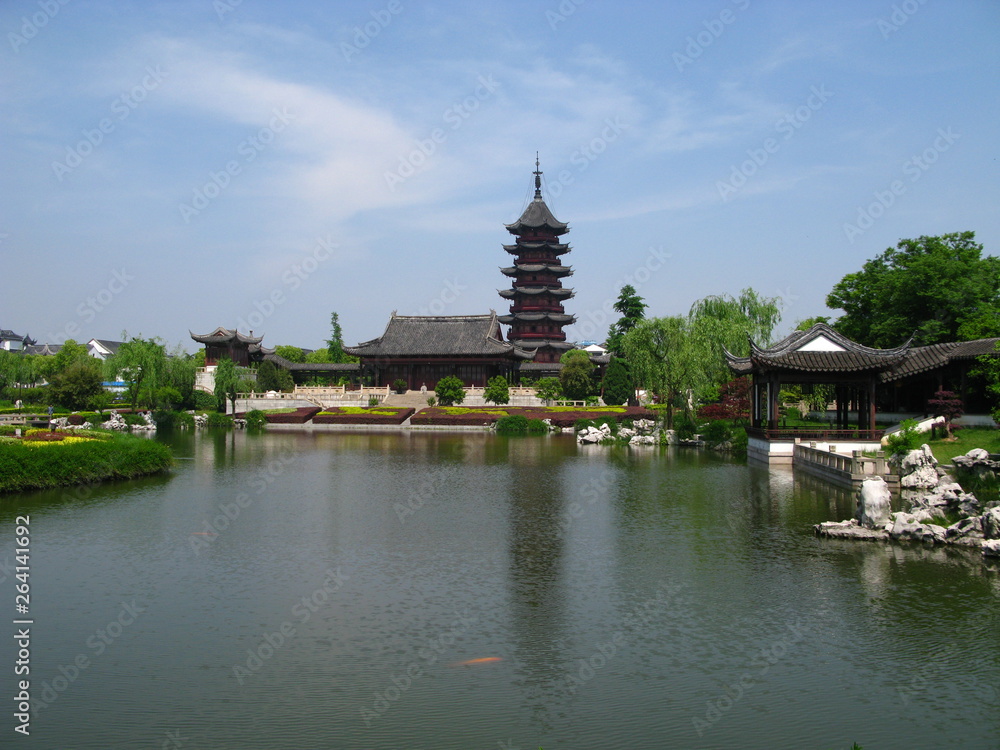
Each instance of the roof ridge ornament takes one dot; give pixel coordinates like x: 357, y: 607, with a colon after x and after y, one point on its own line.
x: 538, y: 179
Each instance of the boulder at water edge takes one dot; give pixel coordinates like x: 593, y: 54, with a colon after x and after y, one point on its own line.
x: 873, y: 503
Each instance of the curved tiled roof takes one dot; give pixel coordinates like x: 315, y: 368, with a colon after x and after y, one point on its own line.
x: 552, y: 268
x: 533, y: 290
x: 794, y: 353
x: 537, y: 216
x: 555, y: 248
x: 222, y: 335
x: 534, y: 317
x: 440, y: 335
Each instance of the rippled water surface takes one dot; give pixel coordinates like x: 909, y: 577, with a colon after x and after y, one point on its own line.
x: 323, y: 591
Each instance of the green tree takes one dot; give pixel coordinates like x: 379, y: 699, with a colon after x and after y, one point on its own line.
x: 335, y: 344
x: 449, y: 391
x: 805, y: 325
x: 179, y: 374
x: 666, y: 358
x: 69, y: 352
x: 269, y: 377
x: 632, y: 308
x: 576, y: 375
x: 291, y: 353
x: 618, y: 385
x: 497, y: 390
x: 319, y: 357
x: 723, y: 323
x: 77, y: 385
x: 989, y: 369
x: 142, y: 364
x: 228, y: 382
x: 548, y: 389
x: 935, y: 288
x: 199, y: 357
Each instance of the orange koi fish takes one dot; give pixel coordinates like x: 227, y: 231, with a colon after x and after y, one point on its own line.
x: 482, y: 660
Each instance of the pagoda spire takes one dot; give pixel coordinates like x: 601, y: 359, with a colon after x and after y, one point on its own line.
x: 538, y: 179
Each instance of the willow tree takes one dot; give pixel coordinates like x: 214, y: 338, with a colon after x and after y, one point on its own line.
x: 141, y: 363
x: 723, y: 322
x: 683, y: 355
x: 665, y: 358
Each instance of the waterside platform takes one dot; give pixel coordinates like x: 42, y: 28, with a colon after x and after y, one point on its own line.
x: 839, y: 456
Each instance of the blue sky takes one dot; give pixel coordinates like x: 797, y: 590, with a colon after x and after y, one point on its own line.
x: 182, y: 165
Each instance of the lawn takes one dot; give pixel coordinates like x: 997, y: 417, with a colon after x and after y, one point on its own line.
x: 965, y: 440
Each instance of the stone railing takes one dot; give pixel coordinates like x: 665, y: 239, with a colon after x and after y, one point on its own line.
x: 847, y: 467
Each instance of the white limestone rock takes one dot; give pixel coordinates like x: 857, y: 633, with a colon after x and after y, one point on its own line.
x: 991, y: 548
x: 991, y: 523
x: 873, y: 503
x: 918, y: 469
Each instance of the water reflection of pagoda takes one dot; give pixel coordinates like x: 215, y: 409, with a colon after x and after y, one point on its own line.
x: 537, y: 316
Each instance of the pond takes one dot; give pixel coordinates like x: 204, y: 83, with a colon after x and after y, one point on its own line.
x: 405, y: 590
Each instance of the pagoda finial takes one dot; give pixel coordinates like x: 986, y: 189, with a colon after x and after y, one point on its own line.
x: 538, y: 178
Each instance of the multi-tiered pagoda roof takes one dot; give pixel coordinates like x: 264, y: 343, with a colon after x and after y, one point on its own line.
x: 536, y: 314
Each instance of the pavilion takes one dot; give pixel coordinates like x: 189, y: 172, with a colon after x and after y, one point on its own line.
x: 860, y: 376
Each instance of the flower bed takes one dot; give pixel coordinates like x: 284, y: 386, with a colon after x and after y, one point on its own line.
x: 357, y: 415
x: 560, y: 416
x: 299, y: 416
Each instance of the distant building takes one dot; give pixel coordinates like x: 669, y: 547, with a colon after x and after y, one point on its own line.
x: 12, y: 342
x: 102, y: 348
x: 422, y: 349
x: 223, y: 343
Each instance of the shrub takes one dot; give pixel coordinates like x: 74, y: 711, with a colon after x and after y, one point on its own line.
x: 618, y: 385
x: 399, y: 385
x: 256, y: 420
x: 223, y: 421
x: 582, y: 424
x: 905, y: 440
x: 205, y: 401
x: 449, y: 391
x: 548, y: 389
x: 718, y: 432
x: 497, y: 390
x: 686, y: 428
x: 431, y: 401
x: 515, y: 424
x: 373, y: 401
x: 537, y: 427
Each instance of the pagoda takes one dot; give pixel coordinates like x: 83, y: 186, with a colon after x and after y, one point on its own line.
x: 537, y: 316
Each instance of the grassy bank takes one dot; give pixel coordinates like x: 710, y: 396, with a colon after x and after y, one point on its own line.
x: 32, y: 465
x: 965, y: 440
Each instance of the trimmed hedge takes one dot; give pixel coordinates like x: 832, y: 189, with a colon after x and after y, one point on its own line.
x: 559, y: 416
x: 24, y: 466
x: 299, y: 416
x: 381, y: 415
